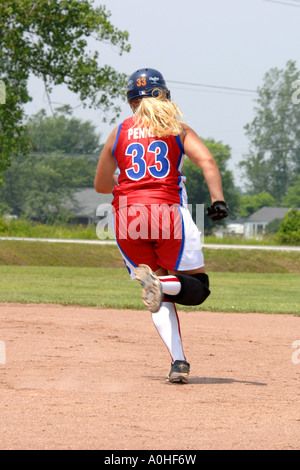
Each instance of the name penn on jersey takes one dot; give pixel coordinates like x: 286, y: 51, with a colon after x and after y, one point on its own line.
x: 139, y: 133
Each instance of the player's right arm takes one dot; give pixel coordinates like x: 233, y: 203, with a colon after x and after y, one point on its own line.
x: 105, y: 180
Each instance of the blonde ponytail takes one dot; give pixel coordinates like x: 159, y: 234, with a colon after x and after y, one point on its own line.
x: 159, y: 115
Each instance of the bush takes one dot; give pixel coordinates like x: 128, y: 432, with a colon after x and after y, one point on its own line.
x: 289, y: 229
x: 3, y: 226
x: 25, y: 228
x: 273, y: 226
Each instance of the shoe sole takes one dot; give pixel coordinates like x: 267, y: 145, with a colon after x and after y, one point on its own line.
x: 178, y: 377
x: 152, y: 290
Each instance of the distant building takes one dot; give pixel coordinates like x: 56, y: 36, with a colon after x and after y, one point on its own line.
x: 253, y: 226
x: 87, y: 203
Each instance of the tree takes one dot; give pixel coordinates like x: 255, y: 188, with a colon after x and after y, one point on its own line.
x: 197, y: 189
x: 292, y: 197
x: 289, y: 229
x: 249, y: 204
x: 42, y: 186
x: 274, y: 134
x: 49, y: 39
x: 62, y: 133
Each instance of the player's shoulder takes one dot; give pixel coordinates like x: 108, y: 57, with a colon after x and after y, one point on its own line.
x: 112, y: 136
x: 127, y: 123
x: 186, y: 129
x: 124, y: 125
x: 188, y: 133
x: 111, y: 139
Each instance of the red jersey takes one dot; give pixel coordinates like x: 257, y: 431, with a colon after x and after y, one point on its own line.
x: 149, y: 167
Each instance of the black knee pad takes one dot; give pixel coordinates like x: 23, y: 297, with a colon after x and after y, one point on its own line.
x: 194, y: 289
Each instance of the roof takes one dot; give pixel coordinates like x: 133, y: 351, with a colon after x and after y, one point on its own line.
x: 88, y: 200
x: 236, y: 221
x: 268, y: 214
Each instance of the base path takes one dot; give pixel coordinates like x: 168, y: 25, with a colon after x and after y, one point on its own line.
x: 85, y: 378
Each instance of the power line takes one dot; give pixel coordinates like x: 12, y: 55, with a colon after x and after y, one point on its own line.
x: 219, y: 87
x: 297, y: 5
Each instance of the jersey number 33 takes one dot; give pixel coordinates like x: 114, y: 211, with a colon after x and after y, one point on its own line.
x: 139, y: 167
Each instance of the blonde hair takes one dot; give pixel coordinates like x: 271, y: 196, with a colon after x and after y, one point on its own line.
x: 159, y: 115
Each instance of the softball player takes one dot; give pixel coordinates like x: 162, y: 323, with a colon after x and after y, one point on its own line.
x: 158, y: 240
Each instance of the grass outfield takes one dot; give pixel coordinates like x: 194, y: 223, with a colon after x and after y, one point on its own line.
x: 112, y: 288
x: 23, y: 253
x: 94, y: 275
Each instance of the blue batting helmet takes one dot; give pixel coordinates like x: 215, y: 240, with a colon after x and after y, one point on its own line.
x: 143, y: 82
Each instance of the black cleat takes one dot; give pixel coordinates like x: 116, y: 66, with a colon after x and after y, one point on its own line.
x: 179, y: 372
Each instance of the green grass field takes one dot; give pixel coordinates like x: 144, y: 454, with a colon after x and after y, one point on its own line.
x: 23, y: 253
x: 112, y: 288
x: 94, y: 275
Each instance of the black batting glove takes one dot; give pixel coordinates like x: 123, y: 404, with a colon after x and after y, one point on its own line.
x: 217, y: 211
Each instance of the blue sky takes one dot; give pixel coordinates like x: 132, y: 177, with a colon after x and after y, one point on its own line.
x: 220, y: 43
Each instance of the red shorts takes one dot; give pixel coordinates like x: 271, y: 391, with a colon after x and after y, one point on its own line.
x: 160, y: 236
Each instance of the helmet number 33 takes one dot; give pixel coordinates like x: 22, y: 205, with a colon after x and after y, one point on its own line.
x: 141, y: 81
x: 139, y: 168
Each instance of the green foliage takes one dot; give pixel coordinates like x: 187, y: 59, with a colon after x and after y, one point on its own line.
x: 289, y: 229
x: 196, y: 186
x: 274, y: 134
x: 42, y: 187
x: 49, y: 39
x: 292, y: 197
x: 272, y: 228
x: 252, y: 203
x: 62, y: 133
x: 13, y: 140
x: 28, y: 229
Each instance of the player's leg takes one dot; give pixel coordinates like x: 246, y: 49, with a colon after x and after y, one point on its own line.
x: 186, y: 282
x: 167, y: 324
x: 165, y: 319
x: 186, y: 288
x: 164, y: 314
x: 159, y: 295
x: 181, y: 287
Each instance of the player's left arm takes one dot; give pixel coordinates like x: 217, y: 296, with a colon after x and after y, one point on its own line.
x: 199, y: 154
x: 105, y: 180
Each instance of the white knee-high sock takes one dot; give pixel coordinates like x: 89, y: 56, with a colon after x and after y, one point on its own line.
x: 170, y: 284
x: 167, y: 324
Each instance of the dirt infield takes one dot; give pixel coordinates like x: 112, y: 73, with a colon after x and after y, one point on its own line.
x: 84, y: 378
